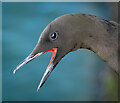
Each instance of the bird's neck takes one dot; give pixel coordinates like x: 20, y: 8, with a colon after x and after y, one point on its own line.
x: 104, y: 42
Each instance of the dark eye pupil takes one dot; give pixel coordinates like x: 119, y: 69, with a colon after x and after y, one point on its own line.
x: 54, y: 35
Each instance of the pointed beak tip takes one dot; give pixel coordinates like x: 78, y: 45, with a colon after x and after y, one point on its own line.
x: 40, y: 85
x: 38, y: 88
x: 14, y: 72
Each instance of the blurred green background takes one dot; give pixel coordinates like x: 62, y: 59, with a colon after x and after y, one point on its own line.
x: 81, y: 75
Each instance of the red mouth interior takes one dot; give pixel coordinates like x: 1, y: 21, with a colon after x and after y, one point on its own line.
x: 54, y: 51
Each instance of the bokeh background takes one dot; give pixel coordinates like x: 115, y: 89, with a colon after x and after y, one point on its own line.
x: 81, y: 75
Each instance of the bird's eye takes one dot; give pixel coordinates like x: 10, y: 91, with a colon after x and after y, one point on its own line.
x: 54, y: 36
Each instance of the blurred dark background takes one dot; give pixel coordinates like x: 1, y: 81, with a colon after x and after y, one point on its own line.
x: 81, y: 75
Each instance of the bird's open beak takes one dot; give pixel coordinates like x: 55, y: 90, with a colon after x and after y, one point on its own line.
x: 48, y: 70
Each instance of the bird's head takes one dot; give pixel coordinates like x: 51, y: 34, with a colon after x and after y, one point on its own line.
x: 58, y: 37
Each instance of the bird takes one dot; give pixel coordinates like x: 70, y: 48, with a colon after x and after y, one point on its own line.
x: 70, y: 32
